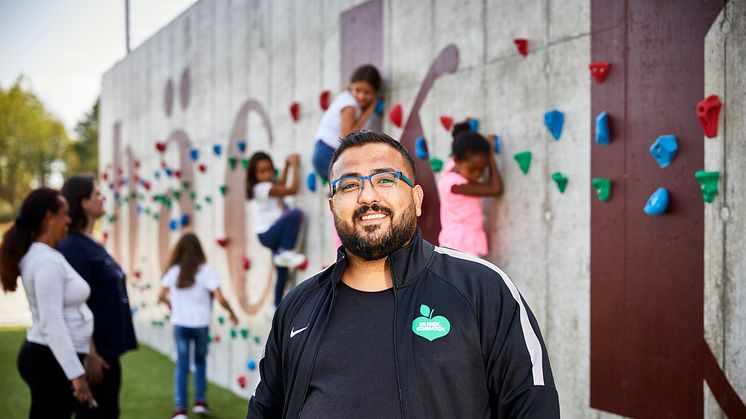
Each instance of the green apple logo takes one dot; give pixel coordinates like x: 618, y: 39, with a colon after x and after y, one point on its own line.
x: 430, y: 327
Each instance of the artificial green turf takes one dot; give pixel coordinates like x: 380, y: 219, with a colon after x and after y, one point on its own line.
x: 147, y: 385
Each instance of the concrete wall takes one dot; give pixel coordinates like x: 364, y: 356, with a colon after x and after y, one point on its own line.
x: 277, y: 52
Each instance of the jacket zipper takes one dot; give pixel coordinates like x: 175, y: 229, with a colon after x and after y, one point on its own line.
x: 396, y: 353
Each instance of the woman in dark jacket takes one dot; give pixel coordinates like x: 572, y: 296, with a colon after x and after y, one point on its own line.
x: 113, y: 332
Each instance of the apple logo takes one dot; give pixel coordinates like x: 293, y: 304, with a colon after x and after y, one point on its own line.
x: 430, y: 327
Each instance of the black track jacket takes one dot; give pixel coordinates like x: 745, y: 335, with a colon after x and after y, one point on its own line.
x: 466, y: 344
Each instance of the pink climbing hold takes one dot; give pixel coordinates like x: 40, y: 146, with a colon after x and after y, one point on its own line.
x: 708, y: 111
x: 522, y: 45
x: 396, y: 115
x: 446, y: 121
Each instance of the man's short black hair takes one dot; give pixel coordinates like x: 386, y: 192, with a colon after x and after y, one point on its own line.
x: 362, y: 137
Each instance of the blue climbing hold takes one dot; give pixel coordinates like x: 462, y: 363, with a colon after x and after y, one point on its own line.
x: 311, y: 181
x: 184, y: 220
x: 133, y: 310
x: 173, y: 225
x: 168, y: 172
x: 217, y: 149
x: 664, y: 150
x: 139, y: 210
x: 379, y: 109
x: 157, y: 174
x: 421, y: 148
x: 603, y: 137
x: 554, y: 120
x: 241, y: 146
x: 194, y: 154
x: 497, y: 143
x: 657, y: 203
x: 473, y: 125
x: 251, y: 365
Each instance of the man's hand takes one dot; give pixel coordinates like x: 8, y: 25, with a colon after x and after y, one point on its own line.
x: 94, y: 368
x: 82, y: 392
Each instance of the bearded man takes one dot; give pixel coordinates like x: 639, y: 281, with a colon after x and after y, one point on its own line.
x: 397, y: 327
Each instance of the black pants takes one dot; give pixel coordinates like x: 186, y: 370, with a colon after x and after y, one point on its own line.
x: 106, y: 394
x: 51, y: 391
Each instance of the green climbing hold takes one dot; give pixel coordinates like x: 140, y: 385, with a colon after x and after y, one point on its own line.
x: 277, y: 173
x: 245, y: 163
x: 192, y: 195
x: 185, y: 184
x: 141, y: 197
x: 156, y: 217
x: 524, y: 160
x: 602, y: 187
x: 245, y: 333
x: 436, y: 164
x: 221, y: 319
x: 708, y: 183
x: 257, y: 340
x: 198, y: 207
x: 234, y: 334
x: 168, y: 203
x: 223, y: 190
x: 208, y: 199
x: 209, y: 338
x: 561, y: 181
x: 232, y: 162
x: 176, y: 194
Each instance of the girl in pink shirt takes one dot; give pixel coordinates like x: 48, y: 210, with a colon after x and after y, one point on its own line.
x: 460, y: 189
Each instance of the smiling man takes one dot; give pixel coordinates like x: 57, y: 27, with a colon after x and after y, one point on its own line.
x: 397, y: 327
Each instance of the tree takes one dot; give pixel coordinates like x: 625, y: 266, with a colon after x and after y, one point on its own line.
x: 30, y: 140
x: 82, y: 153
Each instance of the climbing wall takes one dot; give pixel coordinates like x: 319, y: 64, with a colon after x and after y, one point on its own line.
x: 182, y: 113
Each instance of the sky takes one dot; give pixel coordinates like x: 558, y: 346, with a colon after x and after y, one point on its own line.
x: 63, y: 47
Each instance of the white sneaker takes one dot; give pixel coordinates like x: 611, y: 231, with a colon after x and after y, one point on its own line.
x: 201, y: 408
x: 288, y: 259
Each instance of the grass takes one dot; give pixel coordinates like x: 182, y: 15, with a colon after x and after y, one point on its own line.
x: 147, y: 385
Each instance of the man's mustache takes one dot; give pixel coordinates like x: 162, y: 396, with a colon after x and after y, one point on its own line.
x: 375, y: 207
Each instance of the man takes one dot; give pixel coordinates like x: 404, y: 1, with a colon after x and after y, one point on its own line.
x: 397, y: 327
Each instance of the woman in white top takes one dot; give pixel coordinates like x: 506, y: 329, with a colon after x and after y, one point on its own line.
x: 50, y: 360
x: 188, y: 287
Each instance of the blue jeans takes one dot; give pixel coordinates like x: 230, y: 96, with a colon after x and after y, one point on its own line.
x: 183, y: 336
x: 283, y: 235
x: 322, y: 158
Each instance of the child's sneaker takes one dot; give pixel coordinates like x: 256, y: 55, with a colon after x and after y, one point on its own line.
x: 179, y: 414
x: 288, y: 259
x: 201, y: 408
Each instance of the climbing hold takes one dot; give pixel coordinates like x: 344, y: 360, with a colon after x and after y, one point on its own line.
x: 245, y: 333
x: 245, y: 163
x: 234, y: 334
x: 192, y: 195
x: 223, y: 242
x: 246, y: 263
x: 257, y: 340
x: 446, y: 121
x: 173, y: 225
x: 185, y: 184
x: 217, y: 149
x: 708, y: 111
x: 396, y: 115
x: 232, y: 162
x: 436, y: 164
x: 209, y: 338
x: 295, y: 111
x: 554, y: 120
x: 603, y: 137
x: 137, y: 274
x: 198, y: 207
x: 241, y: 146
x: 241, y: 381
x: 221, y: 320
x: 146, y: 185
x: 708, y: 183
x: 202, y: 168
x: 324, y: 100
x: 303, y: 266
x: 657, y: 203
x: 133, y: 311
x: 251, y: 364
x: 277, y: 173
x: 524, y: 160
x: 380, y: 106
x: 194, y: 154
x: 176, y: 194
x: 105, y: 176
x: 177, y: 173
x: 599, y: 70
x: 474, y: 125
x: 664, y: 150
x: 216, y: 338
x: 421, y: 148
x: 223, y: 189
x: 163, y: 164
x: 184, y: 220
x: 602, y: 187
x: 168, y: 171
x: 161, y: 147
x: 496, y: 139
x: 136, y: 163
x: 208, y: 199
x: 311, y: 182
x: 522, y: 45
x: 561, y: 181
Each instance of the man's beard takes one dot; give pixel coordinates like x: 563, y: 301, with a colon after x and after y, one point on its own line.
x: 399, y: 234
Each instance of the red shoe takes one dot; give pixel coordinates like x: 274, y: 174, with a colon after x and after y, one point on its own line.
x: 179, y: 414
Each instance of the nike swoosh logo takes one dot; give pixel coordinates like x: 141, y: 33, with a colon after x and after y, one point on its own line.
x: 294, y: 332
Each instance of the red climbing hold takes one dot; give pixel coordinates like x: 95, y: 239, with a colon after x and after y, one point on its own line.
x: 136, y: 178
x: 163, y: 164
x: 396, y: 115
x: 105, y: 176
x: 446, y: 121
x: 202, y: 168
x: 137, y: 164
x: 599, y: 70
x: 137, y: 274
x: 303, y: 266
x: 246, y: 262
x: 241, y: 381
x: 522, y: 45
x: 120, y: 172
x: 223, y: 242
x: 324, y: 100
x: 146, y: 185
x: 161, y: 147
x: 106, y: 235
x: 295, y: 111
x: 177, y: 173
x: 708, y: 111
x: 216, y: 338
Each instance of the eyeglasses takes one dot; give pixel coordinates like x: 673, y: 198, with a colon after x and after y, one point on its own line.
x: 381, y: 181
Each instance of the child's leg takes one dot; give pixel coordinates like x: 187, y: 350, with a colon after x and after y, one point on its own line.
x: 283, y: 234
x: 200, y: 364
x: 322, y: 158
x: 181, y: 372
x: 282, y: 280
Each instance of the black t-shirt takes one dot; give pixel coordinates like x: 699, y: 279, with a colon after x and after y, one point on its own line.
x: 354, y: 374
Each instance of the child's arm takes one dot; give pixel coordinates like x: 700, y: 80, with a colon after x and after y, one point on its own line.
x: 494, y: 185
x: 223, y: 302
x: 280, y: 189
x: 349, y: 123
